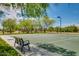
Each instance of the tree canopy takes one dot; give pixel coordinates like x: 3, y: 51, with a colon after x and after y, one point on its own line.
x: 36, y: 9
x: 9, y: 25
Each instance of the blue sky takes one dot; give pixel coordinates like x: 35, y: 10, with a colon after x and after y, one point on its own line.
x: 68, y: 12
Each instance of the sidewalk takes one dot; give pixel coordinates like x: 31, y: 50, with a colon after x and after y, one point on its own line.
x: 35, y: 51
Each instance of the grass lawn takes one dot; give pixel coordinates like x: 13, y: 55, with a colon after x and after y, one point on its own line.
x: 6, y: 50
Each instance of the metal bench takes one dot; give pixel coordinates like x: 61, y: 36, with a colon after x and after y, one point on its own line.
x: 22, y: 43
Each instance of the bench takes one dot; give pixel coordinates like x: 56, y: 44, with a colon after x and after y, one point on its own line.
x: 22, y: 43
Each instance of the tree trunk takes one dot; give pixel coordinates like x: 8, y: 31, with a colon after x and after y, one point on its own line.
x: 10, y: 30
x: 45, y: 29
x: 3, y: 31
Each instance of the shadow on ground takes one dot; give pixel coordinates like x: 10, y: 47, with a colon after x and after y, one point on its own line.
x: 59, y: 50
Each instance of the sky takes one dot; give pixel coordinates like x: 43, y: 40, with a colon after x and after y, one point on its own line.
x: 68, y: 12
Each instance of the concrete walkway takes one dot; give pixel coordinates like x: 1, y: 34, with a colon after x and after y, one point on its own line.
x: 35, y: 51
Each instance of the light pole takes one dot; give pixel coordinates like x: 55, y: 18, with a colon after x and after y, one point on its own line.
x: 60, y: 22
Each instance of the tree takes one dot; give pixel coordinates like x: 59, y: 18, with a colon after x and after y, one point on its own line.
x: 36, y: 10
x: 71, y: 28
x: 57, y: 29
x: 18, y: 27
x: 26, y: 25
x: 50, y: 29
x: 48, y: 21
x: 9, y: 25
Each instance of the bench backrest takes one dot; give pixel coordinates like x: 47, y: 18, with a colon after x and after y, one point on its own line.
x: 17, y: 40
x: 20, y: 41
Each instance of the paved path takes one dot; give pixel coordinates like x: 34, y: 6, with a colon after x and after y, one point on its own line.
x: 35, y: 51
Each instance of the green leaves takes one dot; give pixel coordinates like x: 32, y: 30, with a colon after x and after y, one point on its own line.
x: 9, y: 24
x: 36, y: 9
x: 48, y: 21
x: 26, y: 24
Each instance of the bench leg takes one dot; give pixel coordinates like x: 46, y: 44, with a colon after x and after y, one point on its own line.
x: 28, y: 48
x: 22, y: 49
x: 14, y: 44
